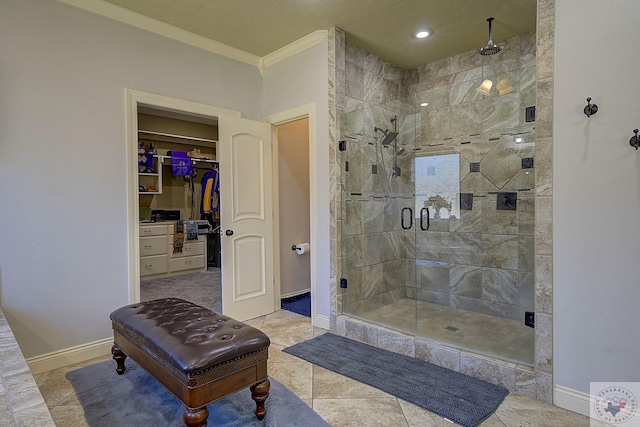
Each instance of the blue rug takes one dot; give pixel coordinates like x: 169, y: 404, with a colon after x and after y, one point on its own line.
x: 300, y: 304
x: 136, y: 399
x: 457, y: 397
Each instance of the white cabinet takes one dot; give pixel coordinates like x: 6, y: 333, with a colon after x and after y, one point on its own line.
x: 156, y: 252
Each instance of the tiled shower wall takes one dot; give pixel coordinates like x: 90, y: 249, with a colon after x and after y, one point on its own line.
x: 481, y: 259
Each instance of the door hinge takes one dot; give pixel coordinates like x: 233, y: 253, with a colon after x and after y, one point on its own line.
x: 346, y: 166
x: 343, y: 282
x: 342, y: 145
x: 530, y: 319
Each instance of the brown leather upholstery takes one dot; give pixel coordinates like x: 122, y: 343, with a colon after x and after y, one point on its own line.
x: 190, y: 338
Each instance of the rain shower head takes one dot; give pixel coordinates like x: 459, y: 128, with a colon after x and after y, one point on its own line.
x: 490, y: 48
x: 389, y: 137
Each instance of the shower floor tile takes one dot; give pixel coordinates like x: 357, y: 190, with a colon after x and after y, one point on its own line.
x: 494, y: 336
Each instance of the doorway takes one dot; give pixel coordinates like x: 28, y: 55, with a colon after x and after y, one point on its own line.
x: 294, y: 215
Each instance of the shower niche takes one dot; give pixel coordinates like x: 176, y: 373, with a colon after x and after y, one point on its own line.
x: 438, y: 207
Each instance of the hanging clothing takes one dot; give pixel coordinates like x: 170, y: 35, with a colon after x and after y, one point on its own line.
x: 210, y: 193
x: 180, y: 163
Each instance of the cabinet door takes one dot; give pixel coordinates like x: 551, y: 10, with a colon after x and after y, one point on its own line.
x: 246, y: 193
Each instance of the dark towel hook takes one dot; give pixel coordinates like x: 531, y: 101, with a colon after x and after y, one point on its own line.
x: 590, y: 109
x: 635, y: 141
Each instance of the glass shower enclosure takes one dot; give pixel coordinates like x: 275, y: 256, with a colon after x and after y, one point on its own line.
x: 437, y: 233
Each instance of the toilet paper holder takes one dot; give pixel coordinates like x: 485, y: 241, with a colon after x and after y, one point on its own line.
x: 300, y: 248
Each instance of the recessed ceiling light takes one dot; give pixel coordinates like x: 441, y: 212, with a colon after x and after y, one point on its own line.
x: 422, y: 34
x: 424, y: 104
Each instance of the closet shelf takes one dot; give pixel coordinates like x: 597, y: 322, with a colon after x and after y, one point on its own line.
x: 168, y: 137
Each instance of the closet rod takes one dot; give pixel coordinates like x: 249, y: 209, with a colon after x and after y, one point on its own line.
x: 193, y: 159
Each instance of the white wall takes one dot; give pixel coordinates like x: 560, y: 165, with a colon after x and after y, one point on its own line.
x: 293, y: 209
x: 296, y: 81
x: 596, y: 186
x: 63, y: 205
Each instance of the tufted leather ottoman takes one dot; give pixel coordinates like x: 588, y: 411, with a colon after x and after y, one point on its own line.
x: 197, y: 354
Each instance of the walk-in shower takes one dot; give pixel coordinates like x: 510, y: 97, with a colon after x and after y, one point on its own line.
x: 438, y: 215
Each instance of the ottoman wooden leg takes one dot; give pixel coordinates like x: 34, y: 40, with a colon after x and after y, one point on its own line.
x: 119, y: 357
x: 196, y: 417
x: 259, y: 393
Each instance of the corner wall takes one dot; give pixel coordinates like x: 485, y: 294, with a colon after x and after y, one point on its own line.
x: 596, y: 196
x: 63, y: 223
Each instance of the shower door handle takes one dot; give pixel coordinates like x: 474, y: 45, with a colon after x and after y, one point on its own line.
x: 410, y: 218
x: 422, y: 211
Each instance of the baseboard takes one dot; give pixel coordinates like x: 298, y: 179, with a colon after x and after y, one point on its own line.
x: 321, y: 321
x: 68, y: 356
x: 572, y: 400
x: 295, y: 294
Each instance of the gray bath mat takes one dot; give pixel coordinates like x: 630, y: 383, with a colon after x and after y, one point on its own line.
x: 136, y: 399
x: 457, y: 397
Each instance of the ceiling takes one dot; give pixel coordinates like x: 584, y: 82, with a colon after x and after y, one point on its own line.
x: 385, y: 28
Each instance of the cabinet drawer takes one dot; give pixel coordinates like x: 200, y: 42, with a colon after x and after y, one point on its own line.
x: 156, y: 245
x: 187, y: 263
x: 153, y: 230
x: 150, y: 265
x: 188, y: 249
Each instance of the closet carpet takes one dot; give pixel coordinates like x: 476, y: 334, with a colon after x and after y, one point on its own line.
x: 204, y: 288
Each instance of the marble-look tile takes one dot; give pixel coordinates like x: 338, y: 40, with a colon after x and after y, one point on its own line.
x: 6, y: 415
x: 543, y: 287
x: 466, y: 248
x: 496, y: 373
x: 69, y: 416
x: 361, y: 332
x: 526, y: 253
x: 525, y: 381
x: 544, y: 343
x: 524, y: 411
x: 466, y: 280
x: 22, y: 391
x: 544, y: 386
x: 500, y: 251
x: 37, y: 415
x: 437, y: 354
x: 545, y: 59
x: 499, y: 285
x: 500, y: 165
x: 544, y: 228
x: 286, y: 328
x: 396, y: 342
x: 364, y: 412
x: 546, y: 8
x: 354, y: 81
x: 297, y: 377
x: 544, y: 107
x: 418, y: 417
x: 544, y: 166
x: 330, y: 385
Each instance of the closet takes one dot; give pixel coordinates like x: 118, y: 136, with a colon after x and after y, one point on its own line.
x: 179, y: 228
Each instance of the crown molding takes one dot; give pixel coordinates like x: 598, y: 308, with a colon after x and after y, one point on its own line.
x: 135, y: 19
x: 292, y: 48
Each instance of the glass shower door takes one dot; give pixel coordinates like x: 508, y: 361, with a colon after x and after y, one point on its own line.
x: 378, y: 224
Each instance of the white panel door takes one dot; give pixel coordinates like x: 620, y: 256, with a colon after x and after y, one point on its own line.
x: 246, y: 206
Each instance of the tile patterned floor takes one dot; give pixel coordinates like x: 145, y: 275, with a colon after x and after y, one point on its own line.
x: 493, y: 336
x: 339, y: 400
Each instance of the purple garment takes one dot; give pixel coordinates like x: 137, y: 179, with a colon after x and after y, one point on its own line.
x: 180, y: 163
